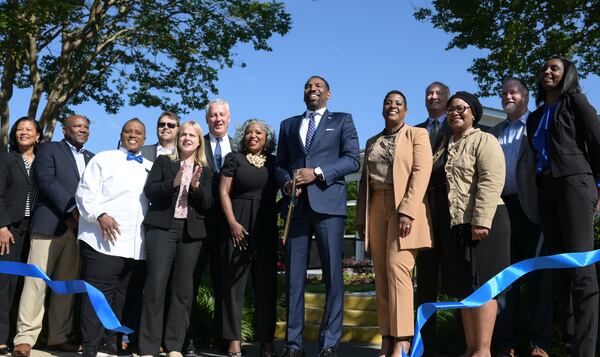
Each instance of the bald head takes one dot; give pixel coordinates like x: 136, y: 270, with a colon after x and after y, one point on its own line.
x: 76, y: 130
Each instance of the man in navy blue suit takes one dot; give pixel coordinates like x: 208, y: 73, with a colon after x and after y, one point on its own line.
x: 57, y: 169
x: 320, y: 147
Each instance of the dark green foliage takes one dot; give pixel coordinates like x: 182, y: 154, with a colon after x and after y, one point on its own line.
x: 517, y: 36
x: 156, y: 53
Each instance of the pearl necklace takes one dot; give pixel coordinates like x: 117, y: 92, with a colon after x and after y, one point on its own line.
x: 256, y: 160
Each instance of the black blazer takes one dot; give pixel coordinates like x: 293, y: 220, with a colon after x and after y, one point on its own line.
x: 440, y: 137
x: 13, y: 188
x: 57, y: 178
x: 574, y: 136
x: 162, y: 196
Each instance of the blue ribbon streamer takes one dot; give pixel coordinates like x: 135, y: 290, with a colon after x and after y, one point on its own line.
x: 497, y: 284
x: 99, y: 303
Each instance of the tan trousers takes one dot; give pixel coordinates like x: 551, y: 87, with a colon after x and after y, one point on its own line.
x: 393, y: 268
x: 58, y: 257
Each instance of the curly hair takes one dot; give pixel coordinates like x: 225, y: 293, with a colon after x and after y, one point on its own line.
x: 240, y: 132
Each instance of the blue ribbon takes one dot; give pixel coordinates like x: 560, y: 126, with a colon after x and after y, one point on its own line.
x: 99, y: 303
x: 497, y: 284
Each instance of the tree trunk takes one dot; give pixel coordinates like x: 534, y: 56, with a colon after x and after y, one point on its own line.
x: 6, y: 92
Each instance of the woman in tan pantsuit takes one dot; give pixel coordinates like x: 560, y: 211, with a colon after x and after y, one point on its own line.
x: 392, y: 217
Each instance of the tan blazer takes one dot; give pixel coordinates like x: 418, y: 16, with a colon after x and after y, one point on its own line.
x: 411, y: 172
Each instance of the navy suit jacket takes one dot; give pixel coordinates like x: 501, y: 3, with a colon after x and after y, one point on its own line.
x: 334, y: 149
x: 57, y: 178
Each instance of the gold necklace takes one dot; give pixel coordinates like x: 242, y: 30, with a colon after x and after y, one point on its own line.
x: 256, y: 160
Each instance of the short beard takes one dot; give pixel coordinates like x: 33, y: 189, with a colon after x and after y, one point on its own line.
x: 511, y: 109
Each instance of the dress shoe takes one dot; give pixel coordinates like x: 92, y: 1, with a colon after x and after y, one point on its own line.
x: 89, y: 352
x: 111, y: 350
x: 507, y: 352
x: 65, y: 347
x: 327, y: 352
x: 4, y: 351
x: 289, y: 352
x: 190, y: 349
x: 539, y: 352
x: 264, y: 353
x: 22, y: 350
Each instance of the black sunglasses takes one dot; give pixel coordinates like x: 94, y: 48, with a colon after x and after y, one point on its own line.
x: 163, y: 124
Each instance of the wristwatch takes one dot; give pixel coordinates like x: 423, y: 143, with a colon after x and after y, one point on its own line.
x: 319, y: 173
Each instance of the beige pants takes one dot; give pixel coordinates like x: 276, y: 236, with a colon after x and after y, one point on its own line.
x: 393, y: 268
x: 58, y: 257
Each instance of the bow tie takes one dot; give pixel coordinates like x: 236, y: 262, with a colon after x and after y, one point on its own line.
x: 138, y: 158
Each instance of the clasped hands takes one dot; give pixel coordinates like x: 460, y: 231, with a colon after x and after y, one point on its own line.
x: 194, y: 183
x: 304, y: 176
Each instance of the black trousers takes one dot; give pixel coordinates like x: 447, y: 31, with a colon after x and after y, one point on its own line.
x: 260, y: 259
x: 525, y: 243
x: 170, y: 254
x: 567, y: 207
x: 212, y: 251
x: 428, y: 261
x: 8, y: 283
x: 111, y: 275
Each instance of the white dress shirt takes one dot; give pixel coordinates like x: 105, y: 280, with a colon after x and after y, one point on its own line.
x: 225, y: 147
x: 305, y: 120
x: 79, y: 157
x: 160, y: 150
x: 113, y: 185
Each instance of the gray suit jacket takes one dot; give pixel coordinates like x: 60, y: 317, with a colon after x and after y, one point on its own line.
x: 149, y: 152
x: 526, y: 181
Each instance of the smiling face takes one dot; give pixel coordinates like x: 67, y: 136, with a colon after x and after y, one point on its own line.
x: 514, y: 99
x: 436, y: 98
x: 76, y: 130
x: 166, y: 130
x: 394, y: 110
x: 26, y: 135
x: 217, y: 119
x: 551, y: 75
x: 316, y: 94
x: 188, y: 141
x: 133, y: 136
x: 459, y: 122
x: 255, y: 138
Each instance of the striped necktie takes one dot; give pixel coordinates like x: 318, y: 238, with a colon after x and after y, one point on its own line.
x: 218, y: 155
x: 311, y: 131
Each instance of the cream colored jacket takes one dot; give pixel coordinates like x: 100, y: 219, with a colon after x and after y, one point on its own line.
x: 475, y: 172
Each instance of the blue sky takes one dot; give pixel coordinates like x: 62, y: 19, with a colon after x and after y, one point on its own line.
x: 363, y: 49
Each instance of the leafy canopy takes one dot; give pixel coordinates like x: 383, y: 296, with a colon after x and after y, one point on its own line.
x: 157, y: 53
x: 519, y: 35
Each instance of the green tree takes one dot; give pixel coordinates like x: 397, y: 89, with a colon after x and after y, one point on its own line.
x: 157, y: 53
x: 517, y: 36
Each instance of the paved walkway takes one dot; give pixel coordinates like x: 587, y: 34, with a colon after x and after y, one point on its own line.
x: 347, y: 349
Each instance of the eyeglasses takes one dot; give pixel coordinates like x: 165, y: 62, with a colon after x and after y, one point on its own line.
x: 163, y: 124
x: 460, y: 109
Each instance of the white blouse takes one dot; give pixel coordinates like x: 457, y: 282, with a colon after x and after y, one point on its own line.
x: 113, y: 185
